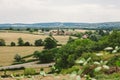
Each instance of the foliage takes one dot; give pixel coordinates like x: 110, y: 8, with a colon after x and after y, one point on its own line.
x: 38, y: 42
x: 113, y: 61
x: 101, y: 66
x: 42, y: 72
x: 114, y: 39
x: 18, y: 58
x: 2, y: 42
x: 70, y: 70
x: 13, y: 44
x: 29, y: 71
x: 45, y: 56
x: 114, y: 76
x: 27, y: 44
x: 20, y: 42
x: 70, y: 40
x: 50, y: 43
x: 94, y: 37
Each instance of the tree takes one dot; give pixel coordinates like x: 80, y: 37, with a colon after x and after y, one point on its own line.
x: 2, y: 42
x: 38, y: 42
x: 50, y: 43
x: 12, y: 44
x: 94, y: 37
x: 27, y: 44
x: 114, y: 39
x: 45, y: 56
x: 20, y: 42
x: 18, y: 58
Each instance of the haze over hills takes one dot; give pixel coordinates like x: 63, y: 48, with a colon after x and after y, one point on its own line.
x: 104, y: 25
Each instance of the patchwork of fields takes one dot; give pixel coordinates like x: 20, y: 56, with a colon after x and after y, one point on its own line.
x: 7, y: 53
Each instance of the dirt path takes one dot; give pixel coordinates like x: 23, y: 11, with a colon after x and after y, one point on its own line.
x: 27, y: 65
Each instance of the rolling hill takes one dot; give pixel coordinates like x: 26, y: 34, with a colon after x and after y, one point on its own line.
x: 105, y: 25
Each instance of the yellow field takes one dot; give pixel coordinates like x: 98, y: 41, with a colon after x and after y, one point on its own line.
x: 7, y: 53
x: 9, y: 37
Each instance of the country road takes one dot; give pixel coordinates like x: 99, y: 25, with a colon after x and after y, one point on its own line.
x: 26, y: 65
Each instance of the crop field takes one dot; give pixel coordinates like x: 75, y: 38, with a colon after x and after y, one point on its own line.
x: 7, y: 53
x: 9, y: 37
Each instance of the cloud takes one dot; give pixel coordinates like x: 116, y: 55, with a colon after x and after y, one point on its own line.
x: 27, y: 11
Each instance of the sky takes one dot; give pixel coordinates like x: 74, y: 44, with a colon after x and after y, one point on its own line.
x: 37, y: 11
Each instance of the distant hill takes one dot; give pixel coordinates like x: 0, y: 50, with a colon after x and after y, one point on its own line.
x: 105, y: 25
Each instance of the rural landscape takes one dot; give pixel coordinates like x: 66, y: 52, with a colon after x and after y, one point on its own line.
x: 63, y: 54
x: 59, y: 39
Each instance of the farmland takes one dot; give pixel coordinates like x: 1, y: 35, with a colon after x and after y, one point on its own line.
x: 99, y: 49
x: 9, y: 37
x: 7, y: 53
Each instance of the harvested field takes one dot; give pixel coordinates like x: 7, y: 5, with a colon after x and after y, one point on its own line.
x: 7, y: 53
x: 9, y: 37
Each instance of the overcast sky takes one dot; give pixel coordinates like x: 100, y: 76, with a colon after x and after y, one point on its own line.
x: 34, y: 11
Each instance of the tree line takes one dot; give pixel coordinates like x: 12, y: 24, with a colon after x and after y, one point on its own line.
x: 48, y: 43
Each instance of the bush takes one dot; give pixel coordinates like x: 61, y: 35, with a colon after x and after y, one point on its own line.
x: 38, y: 42
x: 12, y: 44
x: 115, y: 76
x: 18, y: 58
x: 70, y: 70
x: 2, y: 42
x: 27, y: 44
x: 29, y: 71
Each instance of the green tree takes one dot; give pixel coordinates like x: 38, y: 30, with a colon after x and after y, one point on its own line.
x: 45, y: 56
x: 49, y: 43
x: 2, y: 42
x: 38, y: 42
x: 114, y: 39
x: 20, y: 42
x: 12, y: 44
x: 27, y: 44
x: 18, y: 58
x: 94, y: 37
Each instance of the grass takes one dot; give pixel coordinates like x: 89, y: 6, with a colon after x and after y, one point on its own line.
x: 9, y: 37
x: 7, y: 53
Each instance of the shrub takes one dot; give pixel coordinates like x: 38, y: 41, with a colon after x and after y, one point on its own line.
x: 27, y: 44
x: 18, y: 58
x: 29, y: 71
x: 12, y: 44
x: 2, y: 42
x: 70, y: 70
x: 38, y: 42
